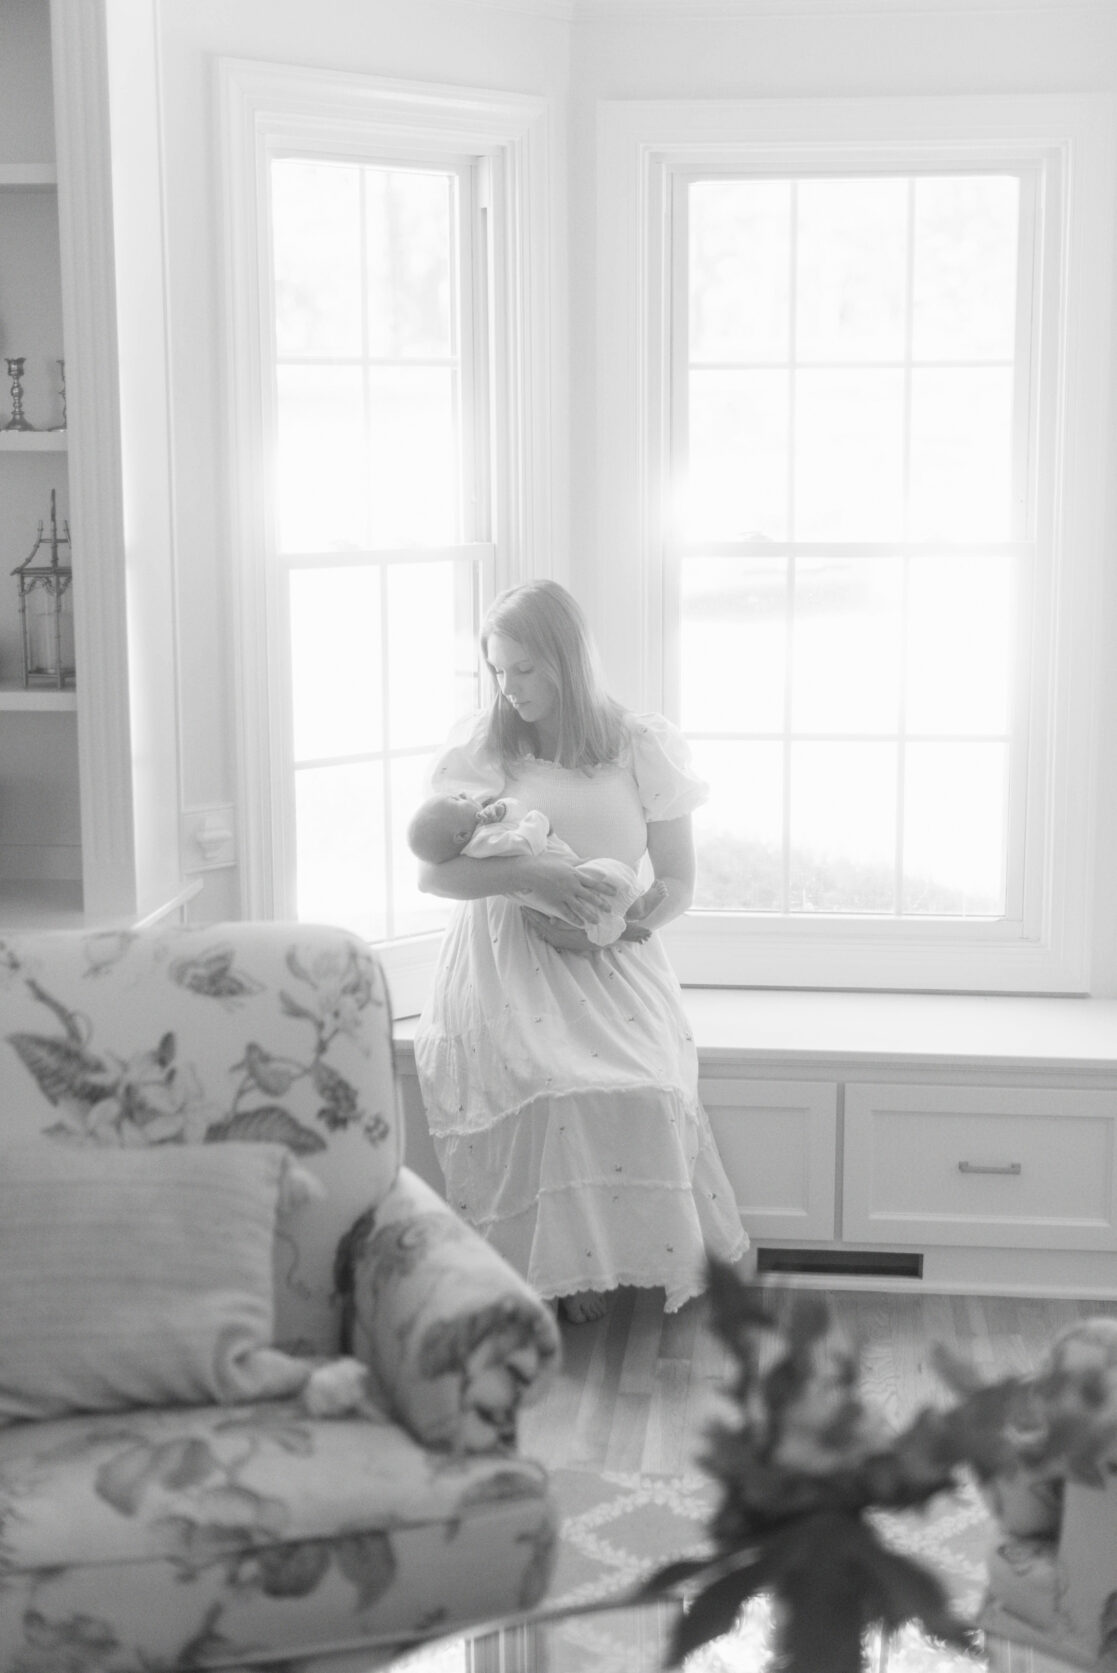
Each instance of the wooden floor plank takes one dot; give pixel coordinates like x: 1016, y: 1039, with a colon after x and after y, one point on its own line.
x: 642, y: 1352
x: 638, y: 1388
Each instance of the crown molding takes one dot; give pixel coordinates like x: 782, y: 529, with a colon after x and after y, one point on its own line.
x: 695, y: 11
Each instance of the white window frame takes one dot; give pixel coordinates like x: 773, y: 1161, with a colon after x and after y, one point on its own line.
x: 268, y: 111
x: 1070, y: 141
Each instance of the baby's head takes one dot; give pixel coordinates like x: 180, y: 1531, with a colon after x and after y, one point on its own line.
x: 442, y: 826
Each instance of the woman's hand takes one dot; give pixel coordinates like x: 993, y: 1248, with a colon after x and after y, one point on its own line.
x: 565, y: 937
x: 564, y: 891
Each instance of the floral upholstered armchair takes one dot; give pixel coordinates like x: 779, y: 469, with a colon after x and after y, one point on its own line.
x: 204, y: 1225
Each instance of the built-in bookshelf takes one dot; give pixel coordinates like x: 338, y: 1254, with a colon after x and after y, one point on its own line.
x: 40, y: 846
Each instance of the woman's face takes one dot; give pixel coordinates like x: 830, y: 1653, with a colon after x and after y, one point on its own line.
x: 521, y: 680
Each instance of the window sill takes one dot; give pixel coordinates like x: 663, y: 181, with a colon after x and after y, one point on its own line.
x: 836, y: 1032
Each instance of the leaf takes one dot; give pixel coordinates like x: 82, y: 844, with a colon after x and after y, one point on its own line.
x: 211, y: 975
x: 716, y: 1608
x: 671, y: 1577
x: 291, y: 1008
x: 339, y: 1095
x: 978, y: 1430
x: 123, y: 1481
x: 273, y: 1075
x: 293, y: 1570
x: 62, y: 1069
x: 368, y: 1561
x: 903, y: 1590
x: 268, y: 1123
x: 183, y: 1463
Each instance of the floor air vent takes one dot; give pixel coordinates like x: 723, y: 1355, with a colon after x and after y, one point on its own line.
x: 848, y: 1263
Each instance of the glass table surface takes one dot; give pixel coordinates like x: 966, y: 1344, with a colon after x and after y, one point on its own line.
x: 637, y: 1640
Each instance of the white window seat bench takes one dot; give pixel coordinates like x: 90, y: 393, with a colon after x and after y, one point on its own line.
x: 941, y: 1142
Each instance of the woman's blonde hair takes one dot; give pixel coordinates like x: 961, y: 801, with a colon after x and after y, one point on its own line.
x: 548, y: 622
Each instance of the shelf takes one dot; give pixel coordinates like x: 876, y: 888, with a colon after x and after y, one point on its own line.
x: 40, y: 699
x: 37, y: 905
x: 33, y: 441
x: 28, y: 177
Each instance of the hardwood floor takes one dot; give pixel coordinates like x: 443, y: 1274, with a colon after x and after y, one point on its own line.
x: 637, y: 1387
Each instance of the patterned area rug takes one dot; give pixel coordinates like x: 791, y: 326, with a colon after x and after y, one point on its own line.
x: 617, y: 1529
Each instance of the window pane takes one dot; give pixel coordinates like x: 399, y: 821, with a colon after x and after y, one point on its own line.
x: 739, y: 832
x: 848, y: 615
x: 734, y: 644
x: 851, y: 269
x: 320, y: 476
x: 339, y: 826
x: 954, y: 828
x: 961, y: 454
x: 428, y: 615
x: 413, y: 457
x: 413, y: 913
x: 960, y: 644
x: 849, y: 455
x: 335, y: 663
x: 843, y: 827
x: 410, y: 221
x: 966, y: 230
x: 740, y: 243
x: 317, y: 253
x: 737, y: 477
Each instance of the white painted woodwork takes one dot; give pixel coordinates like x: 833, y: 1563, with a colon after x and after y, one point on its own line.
x: 15, y: 697
x: 123, y: 616
x: 918, y: 1082
x: 980, y: 1165
x: 1070, y: 141
x: 32, y: 441
x: 778, y: 1140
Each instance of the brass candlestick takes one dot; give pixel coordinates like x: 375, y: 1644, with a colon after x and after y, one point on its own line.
x: 15, y: 372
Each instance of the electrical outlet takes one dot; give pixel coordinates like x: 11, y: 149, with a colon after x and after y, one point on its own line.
x: 209, y: 838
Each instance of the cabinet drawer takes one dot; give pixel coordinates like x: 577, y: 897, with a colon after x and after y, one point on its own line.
x: 778, y: 1141
x: 999, y: 1166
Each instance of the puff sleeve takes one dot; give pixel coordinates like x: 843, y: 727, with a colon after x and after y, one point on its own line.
x: 463, y: 763
x: 665, y: 777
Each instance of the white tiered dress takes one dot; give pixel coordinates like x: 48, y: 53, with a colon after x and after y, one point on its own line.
x: 562, y: 1089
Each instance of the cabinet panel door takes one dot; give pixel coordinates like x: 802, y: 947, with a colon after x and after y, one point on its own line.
x: 778, y: 1140
x: 998, y: 1166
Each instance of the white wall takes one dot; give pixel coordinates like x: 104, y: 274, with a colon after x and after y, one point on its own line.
x: 608, y: 49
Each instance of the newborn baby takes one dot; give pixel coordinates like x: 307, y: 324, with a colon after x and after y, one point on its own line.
x: 445, y: 826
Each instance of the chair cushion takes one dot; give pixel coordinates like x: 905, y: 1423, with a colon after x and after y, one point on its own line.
x: 141, y: 1277
x: 250, y: 1031
x: 212, y: 1535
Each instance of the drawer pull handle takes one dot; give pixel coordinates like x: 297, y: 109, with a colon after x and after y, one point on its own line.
x: 980, y: 1167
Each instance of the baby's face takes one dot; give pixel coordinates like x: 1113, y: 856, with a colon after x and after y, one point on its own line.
x: 460, y: 816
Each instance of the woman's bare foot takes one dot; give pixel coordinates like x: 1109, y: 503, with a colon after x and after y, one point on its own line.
x: 584, y: 1307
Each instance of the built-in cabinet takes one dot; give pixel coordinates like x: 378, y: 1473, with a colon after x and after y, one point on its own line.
x: 905, y: 1141
x: 924, y: 1180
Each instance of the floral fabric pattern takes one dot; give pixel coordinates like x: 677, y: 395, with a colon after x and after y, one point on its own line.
x: 147, y: 1540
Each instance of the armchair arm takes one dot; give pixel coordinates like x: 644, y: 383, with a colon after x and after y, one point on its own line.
x: 454, y: 1337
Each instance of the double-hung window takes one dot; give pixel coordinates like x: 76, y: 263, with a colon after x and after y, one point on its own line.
x: 390, y: 443
x: 382, y: 511
x: 866, y: 584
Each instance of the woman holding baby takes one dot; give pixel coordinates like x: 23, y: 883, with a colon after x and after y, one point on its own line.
x: 559, y: 1074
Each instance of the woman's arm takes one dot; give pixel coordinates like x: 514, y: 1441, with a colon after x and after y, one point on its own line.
x: 671, y: 851
x: 550, y: 877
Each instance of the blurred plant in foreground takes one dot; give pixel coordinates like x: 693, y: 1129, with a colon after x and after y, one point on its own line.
x: 806, y: 1457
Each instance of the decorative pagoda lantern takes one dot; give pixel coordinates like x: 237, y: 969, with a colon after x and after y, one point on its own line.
x: 46, y: 608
